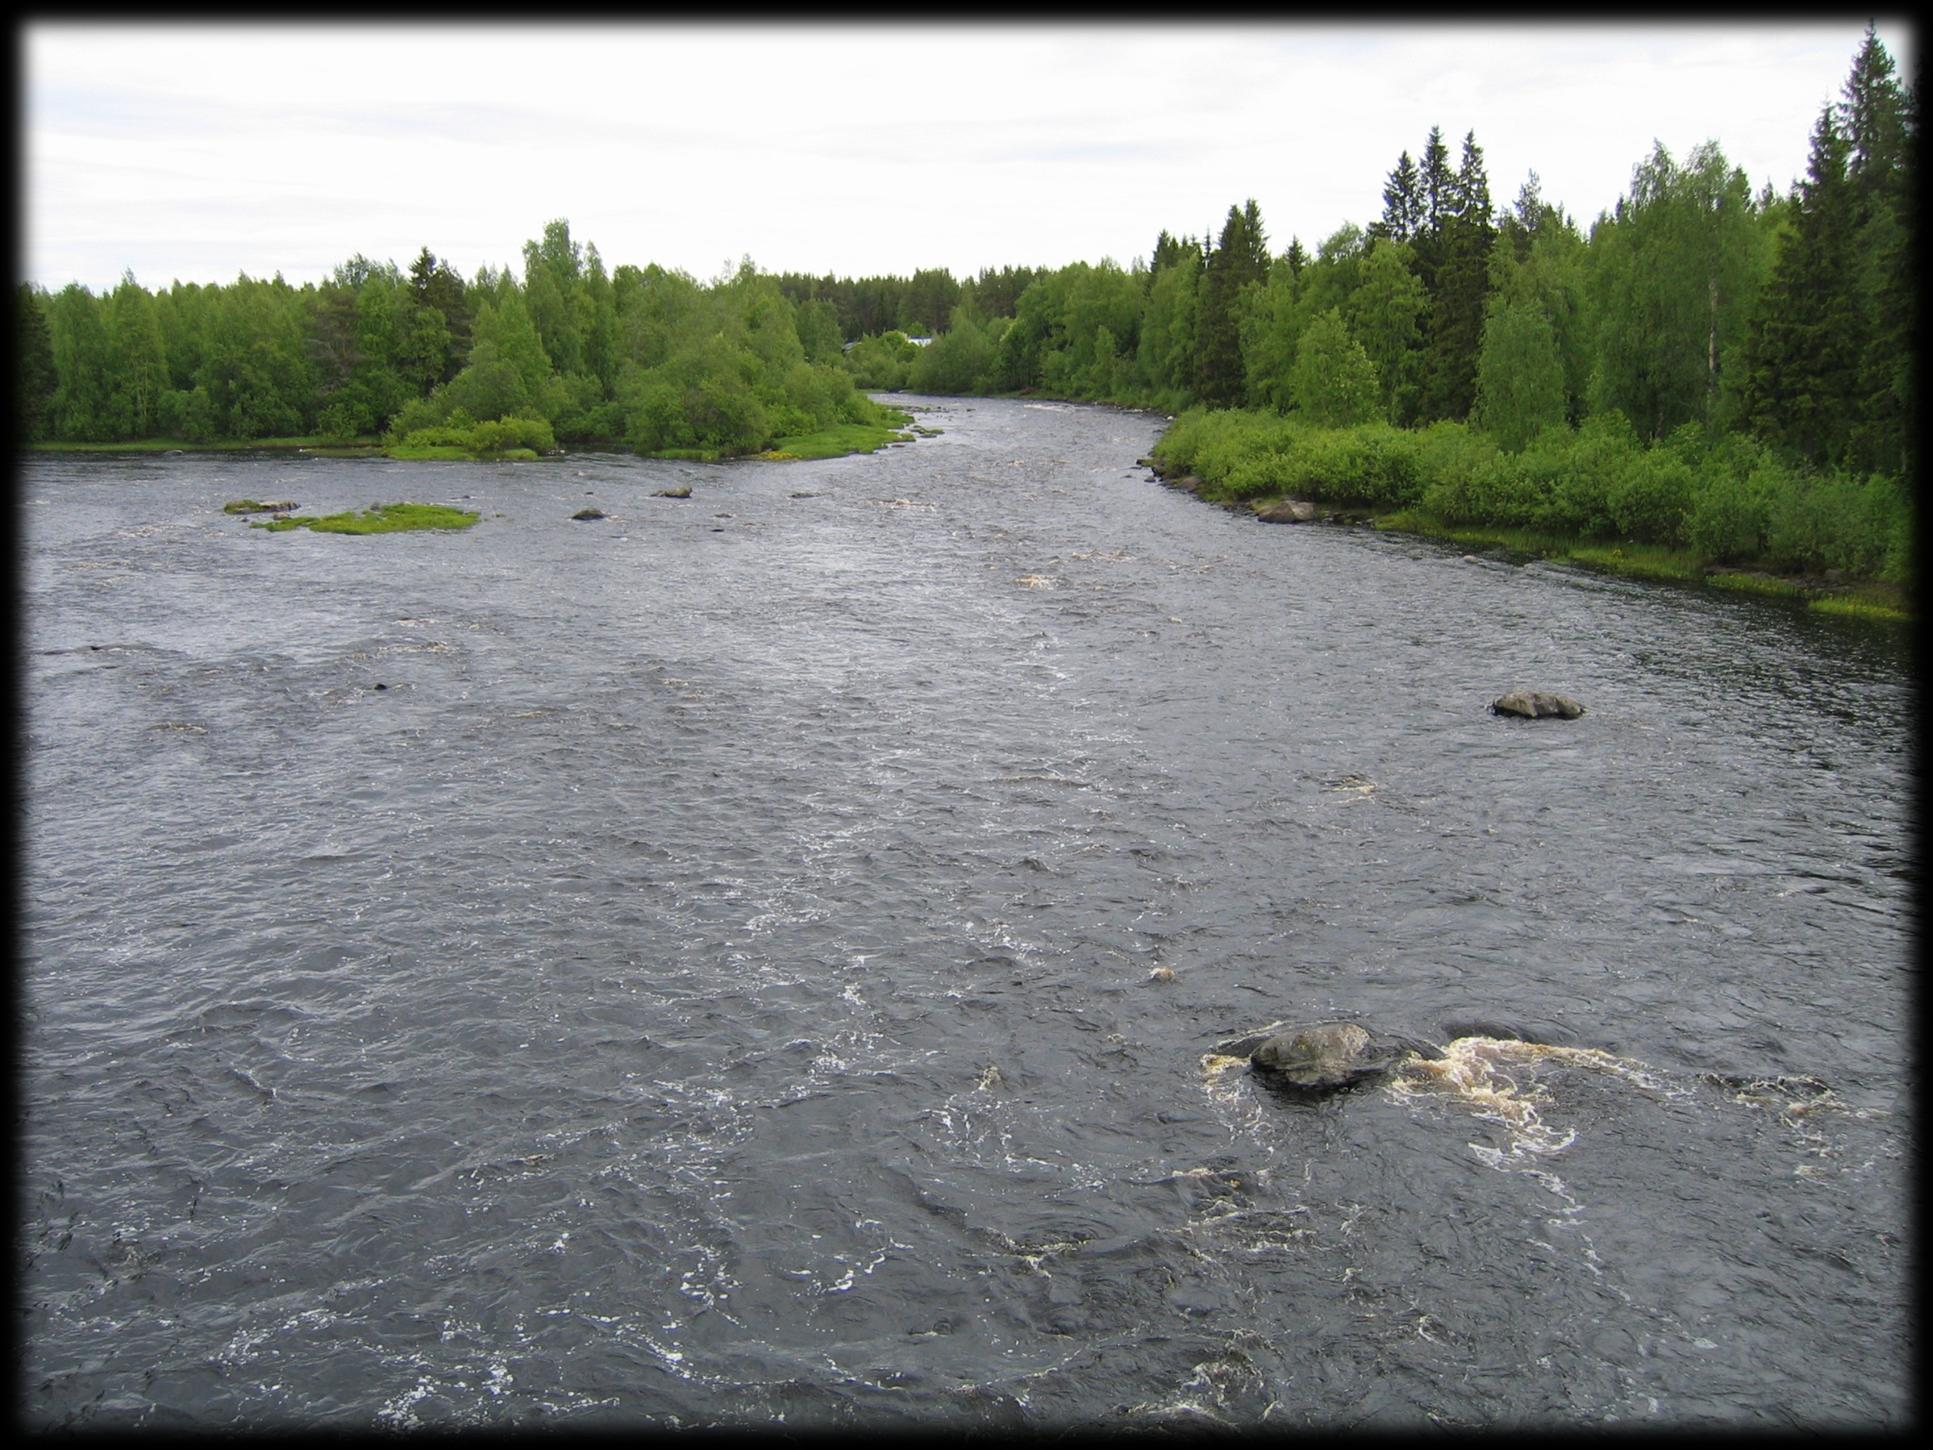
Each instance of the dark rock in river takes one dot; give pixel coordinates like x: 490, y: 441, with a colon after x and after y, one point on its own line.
x: 588, y: 513
x: 1536, y: 704
x: 683, y: 490
x: 1320, y: 1058
x: 1286, y: 511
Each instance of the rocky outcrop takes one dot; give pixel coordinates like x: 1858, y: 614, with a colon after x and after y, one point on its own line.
x: 1536, y: 705
x: 1286, y: 511
x: 1319, y: 1058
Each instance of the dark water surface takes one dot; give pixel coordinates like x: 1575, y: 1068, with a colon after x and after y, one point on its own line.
x: 759, y: 958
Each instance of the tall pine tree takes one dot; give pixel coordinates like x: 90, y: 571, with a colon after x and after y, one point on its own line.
x: 1464, y: 233
x: 1239, y: 259
x: 1876, y: 116
x: 1804, y: 353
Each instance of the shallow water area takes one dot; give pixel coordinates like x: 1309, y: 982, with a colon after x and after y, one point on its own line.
x: 757, y: 958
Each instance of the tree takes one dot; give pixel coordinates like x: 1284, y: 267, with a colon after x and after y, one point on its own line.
x: 1464, y: 232
x: 1877, y: 118
x: 1385, y: 314
x: 1165, y: 355
x: 818, y: 327
x: 78, y: 335
x: 1803, y: 389
x: 1239, y: 261
x: 137, y: 361
x: 1520, y: 376
x: 35, y: 381
x: 928, y: 299
x: 1403, y: 205
x: 1674, y: 276
x: 1334, y: 384
x: 433, y: 284
x: 553, y: 284
x: 957, y: 360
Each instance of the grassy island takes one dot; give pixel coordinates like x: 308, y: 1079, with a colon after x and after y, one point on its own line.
x: 382, y: 518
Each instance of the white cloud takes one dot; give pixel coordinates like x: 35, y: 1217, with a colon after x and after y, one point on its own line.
x: 199, y: 151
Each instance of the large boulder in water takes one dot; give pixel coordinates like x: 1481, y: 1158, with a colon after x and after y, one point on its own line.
x: 1286, y: 511
x: 1319, y: 1058
x: 1535, y: 705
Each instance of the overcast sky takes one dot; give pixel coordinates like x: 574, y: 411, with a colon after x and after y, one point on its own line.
x: 197, y: 152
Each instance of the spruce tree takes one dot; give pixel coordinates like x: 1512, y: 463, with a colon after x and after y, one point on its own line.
x: 1239, y: 259
x: 1465, y: 232
x: 1804, y: 355
x: 1876, y: 119
x: 1402, y: 202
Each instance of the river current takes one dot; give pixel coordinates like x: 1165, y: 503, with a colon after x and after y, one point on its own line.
x: 758, y: 959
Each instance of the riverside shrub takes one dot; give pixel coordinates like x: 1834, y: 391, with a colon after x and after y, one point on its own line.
x: 1650, y: 496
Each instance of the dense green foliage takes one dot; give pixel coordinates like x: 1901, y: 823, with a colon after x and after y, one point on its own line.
x: 438, y: 367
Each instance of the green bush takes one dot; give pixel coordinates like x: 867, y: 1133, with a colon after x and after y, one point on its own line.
x: 482, y: 440
x: 1650, y: 496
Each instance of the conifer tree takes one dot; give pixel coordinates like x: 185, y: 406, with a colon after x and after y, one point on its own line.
x: 1876, y: 117
x: 1465, y: 230
x: 1402, y: 202
x: 434, y: 284
x: 1239, y: 260
x: 1804, y: 355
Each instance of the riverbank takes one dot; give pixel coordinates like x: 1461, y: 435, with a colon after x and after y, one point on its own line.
x: 472, y: 444
x: 1853, y: 598
x: 1729, y: 514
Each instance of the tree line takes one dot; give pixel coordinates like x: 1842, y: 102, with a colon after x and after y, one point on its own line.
x: 1763, y: 341
x: 1783, y: 322
x: 642, y: 357
x: 1692, y: 301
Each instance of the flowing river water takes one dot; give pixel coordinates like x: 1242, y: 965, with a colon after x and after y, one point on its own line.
x: 758, y: 959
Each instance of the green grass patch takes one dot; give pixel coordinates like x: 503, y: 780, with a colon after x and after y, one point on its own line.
x: 382, y: 518
x: 254, y: 506
x: 1659, y: 564
x: 1512, y: 541
x: 837, y: 441
x: 1639, y: 561
x: 1865, y: 604
x: 1751, y: 581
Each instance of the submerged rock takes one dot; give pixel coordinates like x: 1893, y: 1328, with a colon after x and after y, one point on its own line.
x: 1536, y: 704
x: 588, y: 513
x: 682, y: 490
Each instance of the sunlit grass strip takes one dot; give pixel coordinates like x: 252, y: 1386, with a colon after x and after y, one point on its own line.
x: 1659, y: 564
x: 834, y: 442
x: 1856, y: 606
x: 1639, y: 561
x: 1516, y: 541
x: 382, y: 518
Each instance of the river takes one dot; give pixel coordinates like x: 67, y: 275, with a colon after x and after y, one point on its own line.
x: 757, y: 959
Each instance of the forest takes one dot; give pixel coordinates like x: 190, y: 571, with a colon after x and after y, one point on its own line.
x: 1704, y: 368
